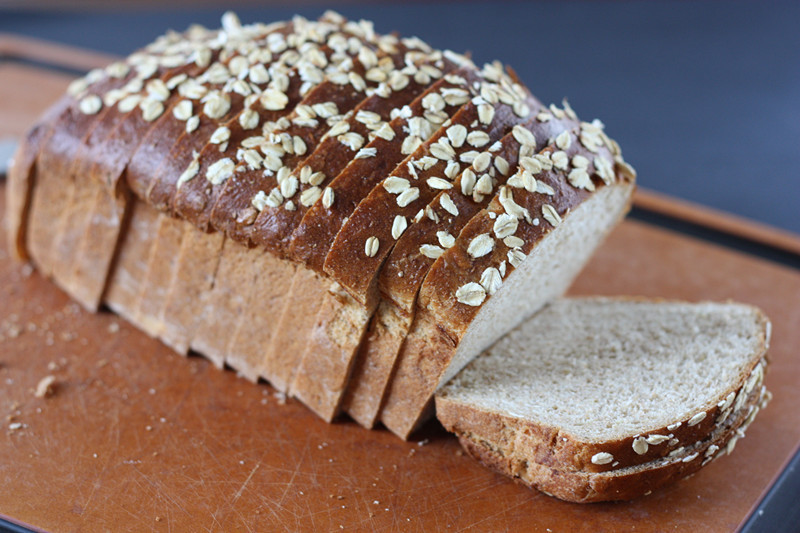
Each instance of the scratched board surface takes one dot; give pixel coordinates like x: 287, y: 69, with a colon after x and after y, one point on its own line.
x: 138, y: 438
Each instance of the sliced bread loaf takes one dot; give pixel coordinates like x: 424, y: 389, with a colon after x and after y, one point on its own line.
x: 602, y: 399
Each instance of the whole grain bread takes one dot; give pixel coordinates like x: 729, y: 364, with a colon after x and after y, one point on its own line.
x: 350, y: 216
x: 205, y: 127
x: 610, y: 386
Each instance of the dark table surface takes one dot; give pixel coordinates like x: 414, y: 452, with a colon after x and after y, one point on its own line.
x: 704, y: 97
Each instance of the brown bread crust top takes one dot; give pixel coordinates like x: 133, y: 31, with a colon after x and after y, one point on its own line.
x: 196, y: 158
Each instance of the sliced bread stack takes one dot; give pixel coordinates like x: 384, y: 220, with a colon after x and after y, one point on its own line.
x: 350, y: 216
x: 606, y: 399
x: 345, y: 214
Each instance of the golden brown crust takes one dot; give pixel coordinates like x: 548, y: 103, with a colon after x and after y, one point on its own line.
x: 233, y: 208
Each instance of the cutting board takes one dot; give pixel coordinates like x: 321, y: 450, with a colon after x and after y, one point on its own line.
x: 136, y: 437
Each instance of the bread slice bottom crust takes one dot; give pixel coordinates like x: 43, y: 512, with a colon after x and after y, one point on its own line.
x: 581, y: 486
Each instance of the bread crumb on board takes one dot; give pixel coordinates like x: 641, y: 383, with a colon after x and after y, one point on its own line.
x: 46, y: 387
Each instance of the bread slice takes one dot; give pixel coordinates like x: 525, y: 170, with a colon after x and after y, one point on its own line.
x: 130, y: 265
x: 88, y: 231
x: 530, y: 240
x: 226, y: 300
x: 591, y: 391
x: 19, y: 190
x: 162, y: 263
x: 623, y: 483
x: 258, y: 321
x: 55, y: 155
x: 317, y: 230
x: 415, y: 251
x: 192, y: 281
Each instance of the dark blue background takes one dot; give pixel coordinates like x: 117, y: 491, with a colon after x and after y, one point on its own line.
x: 704, y: 97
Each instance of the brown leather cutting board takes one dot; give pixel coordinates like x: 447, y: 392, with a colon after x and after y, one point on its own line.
x: 138, y: 438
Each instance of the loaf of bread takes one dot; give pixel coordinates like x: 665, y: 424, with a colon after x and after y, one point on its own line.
x: 350, y: 216
x: 607, y: 399
x: 355, y: 217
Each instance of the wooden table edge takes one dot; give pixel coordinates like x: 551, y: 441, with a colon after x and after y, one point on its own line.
x: 29, y: 49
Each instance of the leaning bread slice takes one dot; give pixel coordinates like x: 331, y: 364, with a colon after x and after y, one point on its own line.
x: 130, y: 264
x: 516, y: 255
x: 94, y: 212
x: 591, y: 390
x: 405, y: 267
